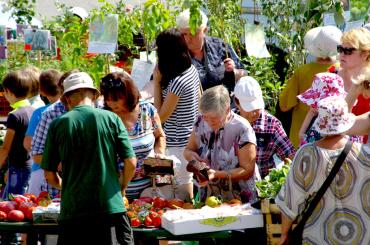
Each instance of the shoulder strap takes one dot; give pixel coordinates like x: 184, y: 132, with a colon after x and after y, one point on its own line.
x: 327, y: 182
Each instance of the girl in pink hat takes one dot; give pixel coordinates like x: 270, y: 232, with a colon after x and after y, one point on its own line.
x: 324, y: 85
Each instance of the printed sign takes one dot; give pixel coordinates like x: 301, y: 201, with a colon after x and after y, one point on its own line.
x: 103, y: 34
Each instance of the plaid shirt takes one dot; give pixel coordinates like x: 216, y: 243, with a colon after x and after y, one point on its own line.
x: 271, y: 139
x: 38, y: 141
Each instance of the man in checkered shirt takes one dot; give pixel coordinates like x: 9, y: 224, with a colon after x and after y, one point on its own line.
x: 271, y: 137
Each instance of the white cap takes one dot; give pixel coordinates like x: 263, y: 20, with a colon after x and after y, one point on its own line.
x: 80, y: 12
x: 78, y: 80
x: 249, y: 93
x: 322, y: 41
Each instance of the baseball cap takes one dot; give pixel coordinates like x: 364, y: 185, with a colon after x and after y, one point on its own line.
x: 249, y: 93
x: 78, y: 80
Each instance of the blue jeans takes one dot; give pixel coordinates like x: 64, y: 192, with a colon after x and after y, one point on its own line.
x: 18, y: 179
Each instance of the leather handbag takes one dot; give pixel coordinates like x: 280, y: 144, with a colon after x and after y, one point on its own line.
x: 295, y: 235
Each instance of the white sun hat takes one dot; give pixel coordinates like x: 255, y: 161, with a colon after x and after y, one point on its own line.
x: 322, y: 41
x: 78, y: 80
x: 333, y: 116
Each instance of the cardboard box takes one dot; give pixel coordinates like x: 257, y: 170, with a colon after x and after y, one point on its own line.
x: 206, y: 219
x: 47, y: 214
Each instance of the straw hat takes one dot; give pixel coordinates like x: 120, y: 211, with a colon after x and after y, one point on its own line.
x: 322, y: 41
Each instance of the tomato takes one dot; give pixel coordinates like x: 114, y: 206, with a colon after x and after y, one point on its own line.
x: 3, y: 216
x: 160, y: 212
x: 135, y: 222
x: 131, y: 214
x: 148, y: 221
x: 7, y: 206
x: 27, y: 208
x: 157, y: 221
x: 152, y: 214
x: 159, y: 202
x: 32, y: 197
x: 15, y: 215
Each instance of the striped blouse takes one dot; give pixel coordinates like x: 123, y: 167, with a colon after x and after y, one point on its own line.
x: 179, y: 125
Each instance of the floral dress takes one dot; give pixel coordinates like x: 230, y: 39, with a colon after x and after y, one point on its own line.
x: 220, y: 149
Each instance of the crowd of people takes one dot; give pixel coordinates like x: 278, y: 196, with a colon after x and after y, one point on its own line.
x: 94, y: 156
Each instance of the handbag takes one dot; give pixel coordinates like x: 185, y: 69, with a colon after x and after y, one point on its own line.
x: 222, y: 189
x: 295, y: 235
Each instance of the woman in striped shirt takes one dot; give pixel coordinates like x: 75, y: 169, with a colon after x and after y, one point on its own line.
x: 176, y: 95
x: 141, y: 121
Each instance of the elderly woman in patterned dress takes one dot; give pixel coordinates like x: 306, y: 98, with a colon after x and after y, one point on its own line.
x: 342, y: 215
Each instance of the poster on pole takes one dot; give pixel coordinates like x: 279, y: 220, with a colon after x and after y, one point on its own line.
x: 141, y: 72
x: 36, y: 39
x: 103, y: 34
x: 255, y: 41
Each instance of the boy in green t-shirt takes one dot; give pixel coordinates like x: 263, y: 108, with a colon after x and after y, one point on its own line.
x: 87, y: 140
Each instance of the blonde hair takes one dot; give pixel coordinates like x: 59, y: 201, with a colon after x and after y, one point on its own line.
x: 182, y: 20
x: 215, y: 99
x: 364, y: 76
x: 359, y: 39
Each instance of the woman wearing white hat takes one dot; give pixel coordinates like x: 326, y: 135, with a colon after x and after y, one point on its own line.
x: 342, y: 214
x: 320, y: 42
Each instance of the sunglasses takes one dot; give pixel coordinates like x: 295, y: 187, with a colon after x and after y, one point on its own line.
x: 109, y: 82
x: 346, y: 51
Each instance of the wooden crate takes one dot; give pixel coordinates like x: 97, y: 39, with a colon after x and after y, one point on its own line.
x: 272, y: 219
x: 4, y: 105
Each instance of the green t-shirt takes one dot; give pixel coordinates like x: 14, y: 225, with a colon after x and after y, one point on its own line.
x: 87, y: 141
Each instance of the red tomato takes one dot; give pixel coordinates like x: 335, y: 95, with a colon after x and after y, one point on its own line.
x: 152, y: 214
x: 157, y: 221
x: 7, y: 206
x: 159, y: 202
x: 148, y: 221
x: 135, y: 222
x: 27, y: 208
x: 32, y: 197
x: 15, y: 215
x: 3, y: 216
x: 146, y: 199
x: 160, y: 212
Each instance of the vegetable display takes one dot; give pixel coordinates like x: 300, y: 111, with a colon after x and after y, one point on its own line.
x: 270, y: 186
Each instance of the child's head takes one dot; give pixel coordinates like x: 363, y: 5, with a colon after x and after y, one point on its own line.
x: 17, y: 83
x: 49, y: 83
x: 324, y: 85
x: 33, y: 74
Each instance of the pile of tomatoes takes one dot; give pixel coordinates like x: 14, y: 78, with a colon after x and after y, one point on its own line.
x: 20, y: 207
x: 147, y: 211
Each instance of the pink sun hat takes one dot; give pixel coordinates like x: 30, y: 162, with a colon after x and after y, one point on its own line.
x: 324, y: 85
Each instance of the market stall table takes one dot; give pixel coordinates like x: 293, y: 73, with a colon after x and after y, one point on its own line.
x: 33, y: 230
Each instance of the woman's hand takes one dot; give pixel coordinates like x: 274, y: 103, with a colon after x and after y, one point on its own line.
x: 157, y: 75
x: 229, y: 64
x: 160, y: 155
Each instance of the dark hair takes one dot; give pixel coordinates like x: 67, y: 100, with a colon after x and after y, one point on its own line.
x: 33, y: 74
x: 173, y: 55
x: 49, y: 82
x: 118, y: 85
x: 17, y: 83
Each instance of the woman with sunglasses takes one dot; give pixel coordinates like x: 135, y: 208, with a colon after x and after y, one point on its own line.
x: 354, y: 56
x: 176, y: 95
x: 141, y: 120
